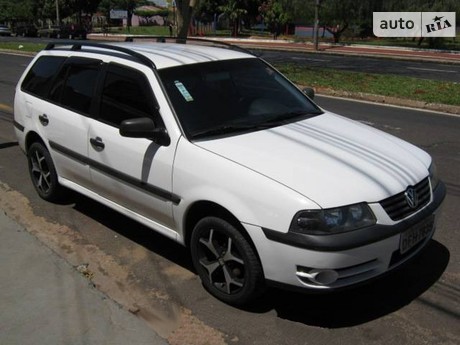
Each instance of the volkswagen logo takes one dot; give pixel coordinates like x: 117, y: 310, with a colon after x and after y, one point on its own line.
x: 411, y: 197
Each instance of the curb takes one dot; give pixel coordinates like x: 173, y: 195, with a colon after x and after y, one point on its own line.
x: 17, y: 52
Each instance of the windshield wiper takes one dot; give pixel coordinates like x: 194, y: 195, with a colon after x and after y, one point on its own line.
x: 234, y: 128
x: 227, y: 129
x: 288, y: 117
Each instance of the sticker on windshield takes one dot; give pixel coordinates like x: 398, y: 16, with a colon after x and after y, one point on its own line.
x: 184, y: 92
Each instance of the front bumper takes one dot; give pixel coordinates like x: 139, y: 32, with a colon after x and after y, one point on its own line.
x: 335, y: 261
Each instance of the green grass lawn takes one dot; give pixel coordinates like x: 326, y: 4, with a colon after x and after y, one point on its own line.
x: 143, y: 30
x: 22, y: 46
x: 430, y: 91
x: 443, y: 43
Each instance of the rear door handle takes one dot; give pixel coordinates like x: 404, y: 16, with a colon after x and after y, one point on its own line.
x: 97, y: 144
x: 43, y: 119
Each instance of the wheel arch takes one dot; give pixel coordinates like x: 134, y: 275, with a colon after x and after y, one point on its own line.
x: 202, y: 209
x: 205, y: 208
x: 33, y: 137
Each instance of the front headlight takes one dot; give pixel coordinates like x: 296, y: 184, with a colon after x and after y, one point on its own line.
x: 333, y: 220
x: 433, y: 175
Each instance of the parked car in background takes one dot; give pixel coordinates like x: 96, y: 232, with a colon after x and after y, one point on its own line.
x: 72, y: 31
x: 26, y: 30
x: 67, y: 31
x: 4, y: 31
x: 53, y: 31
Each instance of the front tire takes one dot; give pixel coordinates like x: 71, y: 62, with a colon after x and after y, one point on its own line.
x: 43, y: 173
x: 226, y: 262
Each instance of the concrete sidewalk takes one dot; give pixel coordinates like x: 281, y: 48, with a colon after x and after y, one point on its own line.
x: 43, y: 300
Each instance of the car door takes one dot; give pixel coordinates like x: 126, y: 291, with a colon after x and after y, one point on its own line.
x: 62, y: 108
x: 134, y: 173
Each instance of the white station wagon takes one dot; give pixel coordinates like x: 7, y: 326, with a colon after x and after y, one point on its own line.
x: 213, y: 148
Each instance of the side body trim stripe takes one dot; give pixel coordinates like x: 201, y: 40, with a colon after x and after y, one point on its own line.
x: 156, y: 191
x: 18, y: 126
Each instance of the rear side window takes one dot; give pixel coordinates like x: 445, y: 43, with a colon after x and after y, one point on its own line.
x: 38, y: 80
x: 126, y: 94
x: 75, y: 85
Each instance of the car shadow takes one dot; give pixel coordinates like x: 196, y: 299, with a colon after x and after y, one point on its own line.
x: 359, y: 305
x: 343, y: 308
x: 131, y: 229
x: 8, y: 145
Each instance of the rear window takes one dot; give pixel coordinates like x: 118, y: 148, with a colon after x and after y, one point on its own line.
x: 75, y: 84
x: 38, y: 80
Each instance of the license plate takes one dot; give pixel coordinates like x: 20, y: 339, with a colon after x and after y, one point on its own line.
x: 415, y: 235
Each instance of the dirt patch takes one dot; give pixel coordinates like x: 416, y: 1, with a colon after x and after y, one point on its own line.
x: 171, y: 321
x: 194, y: 332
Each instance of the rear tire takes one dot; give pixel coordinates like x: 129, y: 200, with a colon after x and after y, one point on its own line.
x: 226, y: 262
x: 43, y: 173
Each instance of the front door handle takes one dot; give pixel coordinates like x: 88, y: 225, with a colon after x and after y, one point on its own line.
x: 97, y: 144
x: 43, y: 119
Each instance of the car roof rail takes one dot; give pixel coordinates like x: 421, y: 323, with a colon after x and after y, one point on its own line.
x: 76, y: 46
x: 203, y: 41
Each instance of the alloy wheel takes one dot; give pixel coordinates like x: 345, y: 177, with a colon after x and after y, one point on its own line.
x: 223, y: 262
x: 40, y: 172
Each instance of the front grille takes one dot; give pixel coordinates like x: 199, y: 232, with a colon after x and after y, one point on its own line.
x: 397, y: 206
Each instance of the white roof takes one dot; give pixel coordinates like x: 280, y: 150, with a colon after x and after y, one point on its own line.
x: 166, y: 55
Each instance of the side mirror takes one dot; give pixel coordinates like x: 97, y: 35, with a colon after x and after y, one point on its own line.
x: 144, y: 127
x: 309, y: 92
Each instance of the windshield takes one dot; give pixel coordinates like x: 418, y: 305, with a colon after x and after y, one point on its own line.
x: 233, y: 96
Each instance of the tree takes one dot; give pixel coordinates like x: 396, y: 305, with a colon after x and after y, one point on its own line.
x: 337, y: 15
x: 27, y: 10
x: 207, y: 9
x: 234, y: 10
x: 299, y: 11
x: 185, y: 10
x: 88, y: 7
x: 46, y: 9
x: 147, y: 13
x: 32, y: 10
x: 274, y: 15
x: 129, y: 6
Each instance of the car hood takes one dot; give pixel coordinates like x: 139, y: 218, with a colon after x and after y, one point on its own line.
x: 329, y: 159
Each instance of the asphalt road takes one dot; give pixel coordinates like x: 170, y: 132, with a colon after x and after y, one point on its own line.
x: 422, y: 70
x: 418, y: 304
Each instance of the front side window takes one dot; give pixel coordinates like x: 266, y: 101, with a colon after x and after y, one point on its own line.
x: 126, y: 94
x: 233, y: 96
x: 38, y: 80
